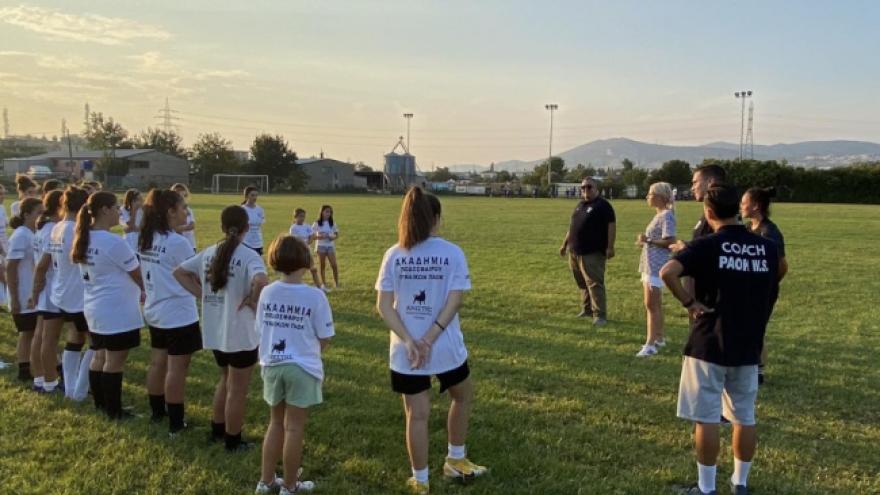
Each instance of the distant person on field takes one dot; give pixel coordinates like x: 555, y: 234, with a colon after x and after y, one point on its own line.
x: 306, y: 234
x: 131, y: 217
x: 735, y: 273
x: 4, y: 222
x: 256, y: 219
x: 755, y: 205
x: 704, y: 176
x: 295, y: 324
x: 655, y: 242
x: 326, y: 232
x: 590, y: 243
x: 26, y: 188
x: 426, y: 337
x: 188, y: 229
x: 51, y: 185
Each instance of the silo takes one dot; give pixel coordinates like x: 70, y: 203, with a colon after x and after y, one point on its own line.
x: 400, y: 168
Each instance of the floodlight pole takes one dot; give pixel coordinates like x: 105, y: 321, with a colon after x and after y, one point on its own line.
x: 408, y: 117
x: 742, y: 95
x: 552, y: 107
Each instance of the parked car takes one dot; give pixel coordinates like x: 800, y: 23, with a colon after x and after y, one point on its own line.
x: 39, y: 172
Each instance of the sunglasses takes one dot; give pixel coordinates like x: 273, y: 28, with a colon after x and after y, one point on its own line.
x: 588, y: 186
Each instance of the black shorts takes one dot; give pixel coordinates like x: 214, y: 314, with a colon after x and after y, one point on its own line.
x: 180, y: 341
x: 414, y: 384
x: 78, y: 319
x: 25, y: 322
x: 240, y: 359
x: 117, y: 341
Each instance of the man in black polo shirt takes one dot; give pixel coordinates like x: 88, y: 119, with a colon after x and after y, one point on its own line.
x: 590, y: 240
x: 734, y: 274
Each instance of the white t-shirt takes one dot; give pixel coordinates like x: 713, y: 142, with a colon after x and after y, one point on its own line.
x: 15, y: 207
x: 131, y: 237
x: 4, y: 223
x: 421, y: 279
x: 302, y: 232
x: 224, y: 327
x: 290, y: 319
x: 256, y: 219
x: 190, y: 234
x: 111, y: 300
x: 41, y: 247
x: 21, y: 247
x: 168, y: 304
x: 325, y: 228
x: 67, y: 288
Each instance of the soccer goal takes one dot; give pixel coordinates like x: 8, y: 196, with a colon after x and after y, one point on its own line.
x: 235, y: 183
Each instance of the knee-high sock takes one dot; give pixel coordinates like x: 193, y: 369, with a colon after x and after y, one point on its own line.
x: 81, y: 391
x: 112, y: 384
x: 97, y: 388
x: 70, y: 359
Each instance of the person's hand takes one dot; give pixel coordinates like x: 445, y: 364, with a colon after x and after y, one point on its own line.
x: 677, y: 246
x: 563, y: 250
x: 641, y: 239
x: 698, y: 309
x: 412, y: 353
x: 247, y: 303
x: 30, y: 303
x: 609, y: 253
x: 424, y: 348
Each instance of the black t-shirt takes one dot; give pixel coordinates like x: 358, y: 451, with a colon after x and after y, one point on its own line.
x: 735, y: 273
x: 770, y: 231
x: 702, y: 228
x: 588, y: 232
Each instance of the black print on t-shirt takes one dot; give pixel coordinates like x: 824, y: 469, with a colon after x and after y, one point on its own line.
x: 421, y: 267
x: 280, y: 346
x: 419, y: 297
x: 285, y: 315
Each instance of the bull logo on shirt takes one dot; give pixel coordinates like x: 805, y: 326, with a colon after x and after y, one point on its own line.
x: 280, y: 346
x: 420, y: 297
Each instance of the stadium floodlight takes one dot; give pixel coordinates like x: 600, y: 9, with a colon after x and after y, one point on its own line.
x: 742, y: 95
x: 552, y: 107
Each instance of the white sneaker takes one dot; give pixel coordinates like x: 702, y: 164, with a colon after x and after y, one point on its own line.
x: 301, y: 486
x: 326, y: 289
x: 269, y: 489
x: 660, y: 343
x: 647, y: 350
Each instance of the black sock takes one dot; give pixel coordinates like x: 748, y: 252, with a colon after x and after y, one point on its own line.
x: 232, y: 441
x: 218, y: 431
x: 157, y: 404
x: 175, y: 417
x: 112, y: 385
x: 97, y: 388
x: 24, y: 371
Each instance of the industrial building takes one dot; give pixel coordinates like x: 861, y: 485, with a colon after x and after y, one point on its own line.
x: 327, y: 174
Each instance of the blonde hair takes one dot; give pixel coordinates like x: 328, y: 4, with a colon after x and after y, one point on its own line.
x: 663, y: 189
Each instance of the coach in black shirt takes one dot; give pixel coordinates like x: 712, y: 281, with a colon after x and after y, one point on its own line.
x: 590, y: 243
x: 734, y: 273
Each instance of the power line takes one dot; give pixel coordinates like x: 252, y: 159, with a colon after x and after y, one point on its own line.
x: 165, y: 114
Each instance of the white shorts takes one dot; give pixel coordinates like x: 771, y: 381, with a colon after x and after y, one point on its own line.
x: 652, y: 281
x: 707, y: 389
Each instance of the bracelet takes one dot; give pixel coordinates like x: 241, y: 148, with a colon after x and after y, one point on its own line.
x: 442, y: 328
x: 689, y: 303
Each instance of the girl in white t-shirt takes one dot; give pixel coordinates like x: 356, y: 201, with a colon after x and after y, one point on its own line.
x: 420, y: 285
x: 295, y: 325
x: 131, y: 216
x: 304, y: 233
x: 4, y: 222
x: 20, y: 277
x: 228, y: 278
x: 326, y: 232
x: 188, y: 229
x: 58, y: 288
x: 256, y: 218
x: 111, y: 298
x: 169, y: 309
x: 39, y: 299
x: 26, y: 188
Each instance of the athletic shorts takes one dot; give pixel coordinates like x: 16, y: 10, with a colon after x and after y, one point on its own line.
x: 325, y: 249
x: 707, y: 390
x: 240, y: 359
x: 122, y: 341
x: 25, y: 322
x: 656, y: 282
x: 414, y: 384
x: 290, y: 383
x: 78, y: 319
x: 180, y: 341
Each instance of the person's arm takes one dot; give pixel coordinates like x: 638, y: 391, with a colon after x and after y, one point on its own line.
x: 385, y: 306
x: 325, y: 343
x: 564, y: 247
x: 783, y: 268
x: 136, y: 277
x: 447, y: 313
x: 189, y: 281
x: 259, y: 281
x: 612, y: 238
x: 12, y: 284
x: 39, y: 279
x: 671, y: 275
x: 661, y: 243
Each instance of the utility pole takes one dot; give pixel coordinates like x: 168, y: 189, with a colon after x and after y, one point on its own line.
x: 166, y: 115
x: 5, y: 123
x: 408, y: 117
x: 742, y: 95
x: 750, y: 137
x: 552, y: 107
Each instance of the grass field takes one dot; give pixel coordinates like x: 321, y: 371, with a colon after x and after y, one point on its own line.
x: 561, y: 408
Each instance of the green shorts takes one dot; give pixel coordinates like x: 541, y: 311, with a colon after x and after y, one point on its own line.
x: 290, y: 383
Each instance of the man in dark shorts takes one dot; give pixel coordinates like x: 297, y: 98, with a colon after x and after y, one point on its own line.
x: 734, y: 273
x: 590, y: 241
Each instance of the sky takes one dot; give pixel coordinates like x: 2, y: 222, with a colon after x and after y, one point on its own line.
x: 336, y: 76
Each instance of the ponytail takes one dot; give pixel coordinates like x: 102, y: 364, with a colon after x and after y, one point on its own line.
x: 27, y: 206
x: 156, y: 207
x: 418, y: 214
x: 73, y: 200
x: 762, y: 196
x: 234, y: 221
x: 52, y: 203
x: 130, y: 196
x: 84, y: 219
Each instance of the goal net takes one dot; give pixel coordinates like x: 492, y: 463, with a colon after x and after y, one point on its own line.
x: 235, y: 183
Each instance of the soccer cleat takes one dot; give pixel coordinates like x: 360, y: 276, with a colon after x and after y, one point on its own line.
x: 738, y: 489
x: 326, y: 289
x: 692, y: 490
x: 240, y: 447
x: 599, y: 322
x: 660, y: 343
x: 417, y: 488
x: 647, y: 350
x: 462, y: 469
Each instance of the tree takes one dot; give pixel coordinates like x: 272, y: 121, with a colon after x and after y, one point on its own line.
x: 161, y: 140
x: 578, y: 173
x: 503, y: 176
x: 538, y: 177
x: 273, y: 157
x: 441, y: 174
x: 212, y: 154
x: 627, y: 164
x: 675, y: 172
x: 107, y: 136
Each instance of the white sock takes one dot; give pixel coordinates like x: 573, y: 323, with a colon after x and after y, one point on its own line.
x: 455, y: 451
x: 81, y: 391
x: 707, y: 478
x: 70, y: 369
x: 740, y: 472
x: 50, y: 386
x: 38, y: 381
x: 421, y: 475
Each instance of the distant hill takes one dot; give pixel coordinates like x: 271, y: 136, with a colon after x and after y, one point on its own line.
x: 610, y: 152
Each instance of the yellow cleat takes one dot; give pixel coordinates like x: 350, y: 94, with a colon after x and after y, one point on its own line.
x: 463, y: 469
x: 417, y: 488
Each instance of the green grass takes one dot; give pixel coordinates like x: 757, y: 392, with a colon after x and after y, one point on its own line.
x: 561, y: 408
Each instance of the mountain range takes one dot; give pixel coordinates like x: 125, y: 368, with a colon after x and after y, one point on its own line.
x: 610, y: 152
